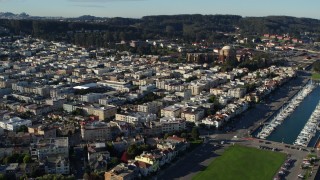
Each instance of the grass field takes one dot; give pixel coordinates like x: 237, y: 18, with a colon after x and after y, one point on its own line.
x: 239, y: 162
x: 315, y: 76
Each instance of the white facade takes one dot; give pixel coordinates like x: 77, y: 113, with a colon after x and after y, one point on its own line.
x: 116, y: 85
x: 48, y: 147
x: 14, y: 123
x: 92, y: 97
x: 136, y: 117
x: 151, y: 107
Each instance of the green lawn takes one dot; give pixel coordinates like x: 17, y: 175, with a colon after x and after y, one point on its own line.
x: 315, y: 76
x: 239, y: 162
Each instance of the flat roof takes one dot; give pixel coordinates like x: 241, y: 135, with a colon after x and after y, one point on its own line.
x: 86, y: 86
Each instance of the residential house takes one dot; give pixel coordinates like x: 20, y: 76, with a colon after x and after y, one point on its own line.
x: 192, y: 114
x: 121, y: 172
x: 171, y: 111
x: 98, y: 156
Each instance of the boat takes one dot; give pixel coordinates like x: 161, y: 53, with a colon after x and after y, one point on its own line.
x: 286, y: 111
x: 310, y: 128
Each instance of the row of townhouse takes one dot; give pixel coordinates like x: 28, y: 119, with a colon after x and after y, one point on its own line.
x: 149, y: 162
x: 102, y: 113
x: 191, y: 114
x: 224, y: 115
x: 25, y: 87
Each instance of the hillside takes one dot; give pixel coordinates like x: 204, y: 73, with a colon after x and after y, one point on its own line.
x: 187, y: 27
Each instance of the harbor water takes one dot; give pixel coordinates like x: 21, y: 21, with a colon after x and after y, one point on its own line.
x: 289, y: 130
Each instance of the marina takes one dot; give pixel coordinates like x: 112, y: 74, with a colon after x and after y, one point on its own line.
x: 285, y: 111
x: 309, y: 129
x: 290, y: 129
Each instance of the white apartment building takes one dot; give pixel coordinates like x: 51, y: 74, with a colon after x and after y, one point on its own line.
x: 134, y: 118
x: 150, y: 107
x: 49, y: 147
x: 116, y: 85
x: 14, y: 123
x: 92, y: 97
x: 172, y: 124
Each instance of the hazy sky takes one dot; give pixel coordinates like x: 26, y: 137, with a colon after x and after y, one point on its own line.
x: 139, y: 8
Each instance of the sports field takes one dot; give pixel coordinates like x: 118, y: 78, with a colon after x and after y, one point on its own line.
x: 239, y: 162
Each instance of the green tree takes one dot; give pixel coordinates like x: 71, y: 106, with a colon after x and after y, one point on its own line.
x: 195, y: 133
x: 189, y: 79
x: 114, y: 161
x: 27, y: 159
x: 23, y: 128
x: 316, y: 66
x: 132, y: 150
x: 212, y: 99
x: 184, y: 135
x: 258, y: 74
x: 166, y: 136
x: 170, y: 30
x: 23, y: 177
x: 78, y: 112
x: 7, y: 160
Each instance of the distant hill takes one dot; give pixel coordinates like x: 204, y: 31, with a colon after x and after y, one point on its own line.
x: 9, y: 15
x: 188, y: 27
x: 279, y: 24
x: 87, y: 18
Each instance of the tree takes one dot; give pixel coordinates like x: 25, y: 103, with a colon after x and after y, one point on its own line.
x: 26, y: 115
x: 132, y: 150
x: 27, y: 159
x: 316, y: 66
x: 78, y: 112
x: 195, y: 133
x: 23, y: 177
x: 189, y: 79
x: 258, y: 74
x: 2, y: 177
x: 170, y: 30
x: 23, y: 128
x: 94, y: 176
x: 212, y: 99
x: 55, y: 177
x: 86, y: 176
x: 166, y: 136
x: 123, y: 36
x: 184, y: 135
x: 7, y: 160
